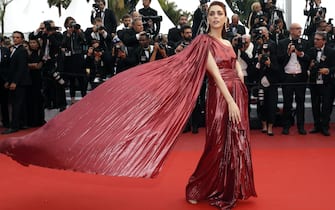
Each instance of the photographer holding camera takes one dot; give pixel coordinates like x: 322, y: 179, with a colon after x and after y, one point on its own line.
x: 268, y: 74
x: 315, y: 14
x: 256, y: 12
x: 94, y: 62
x: 322, y: 82
x: 53, y: 84
x: 278, y: 31
x: 161, y: 48
x: 73, y: 45
x: 200, y: 18
x: 98, y: 32
x: 174, y: 35
x: 145, y: 49
x: 245, y: 52
x: 107, y: 16
x: 151, y: 20
x: 294, y: 64
x: 186, y: 34
x: 122, y: 58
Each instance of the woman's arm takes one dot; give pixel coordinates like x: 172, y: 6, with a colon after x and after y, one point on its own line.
x: 234, y: 111
x: 239, y: 71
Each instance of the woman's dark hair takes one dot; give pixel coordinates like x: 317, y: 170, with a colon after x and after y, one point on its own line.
x: 219, y: 3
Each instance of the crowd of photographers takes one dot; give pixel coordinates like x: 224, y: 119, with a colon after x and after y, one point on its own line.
x: 272, y: 55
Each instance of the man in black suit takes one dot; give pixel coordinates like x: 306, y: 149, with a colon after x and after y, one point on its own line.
x: 17, y: 81
x: 174, y: 35
x: 151, y: 24
x: 200, y: 19
x: 4, y: 65
x: 294, y: 61
x: 322, y: 78
x: 147, y: 10
x: 131, y: 36
x: 107, y: 16
x: 235, y: 27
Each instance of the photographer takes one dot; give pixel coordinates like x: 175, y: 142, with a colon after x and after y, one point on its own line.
x: 200, y: 19
x: 235, y: 27
x: 186, y: 34
x: 256, y: 12
x: 145, y: 50
x: 107, y: 16
x: 268, y: 73
x: 278, y: 31
x: 98, y: 32
x: 330, y: 34
x: 122, y: 60
x: 94, y: 62
x: 161, y: 49
x: 151, y: 20
x: 131, y: 36
x: 315, y: 14
x: 196, y: 119
x: 294, y: 64
x: 322, y: 82
x: 272, y: 13
x: 73, y: 45
x: 246, y: 57
x: 53, y: 84
x: 174, y: 35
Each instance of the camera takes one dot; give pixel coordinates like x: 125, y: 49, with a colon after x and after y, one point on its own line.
x: 120, y: 47
x: 265, y: 57
x: 96, y: 8
x: 160, y: 41
x: 297, y: 44
x: 184, y: 44
x: 154, y: 19
x: 204, y: 1
x: 49, y: 27
x: 75, y: 25
x: 57, y: 77
x: 100, y: 28
x: 240, y: 42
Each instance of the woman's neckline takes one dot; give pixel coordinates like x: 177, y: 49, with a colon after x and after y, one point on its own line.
x: 221, y: 40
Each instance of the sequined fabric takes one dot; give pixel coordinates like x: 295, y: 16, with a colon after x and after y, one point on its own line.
x: 224, y: 173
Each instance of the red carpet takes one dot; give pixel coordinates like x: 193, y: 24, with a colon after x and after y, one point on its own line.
x: 292, y: 172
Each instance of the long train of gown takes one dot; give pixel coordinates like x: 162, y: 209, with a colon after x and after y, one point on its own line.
x: 126, y: 126
x: 224, y: 173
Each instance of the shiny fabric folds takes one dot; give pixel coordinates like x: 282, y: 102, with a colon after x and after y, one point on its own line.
x: 126, y: 126
x: 224, y: 173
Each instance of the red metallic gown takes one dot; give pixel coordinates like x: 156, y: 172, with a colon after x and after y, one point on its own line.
x: 224, y: 173
x: 127, y: 126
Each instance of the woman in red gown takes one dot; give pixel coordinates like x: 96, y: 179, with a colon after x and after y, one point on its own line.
x: 224, y: 173
x: 127, y: 125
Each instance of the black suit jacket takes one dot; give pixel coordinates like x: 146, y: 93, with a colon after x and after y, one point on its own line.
x: 174, y: 37
x: 18, y: 67
x: 129, y: 38
x: 4, y: 63
x: 327, y: 61
x: 284, y: 58
x: 240, y: 28
x: 148, y: 12
x: 109, y: 20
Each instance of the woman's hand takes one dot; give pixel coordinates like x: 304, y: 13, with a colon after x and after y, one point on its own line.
x: 234, y: 112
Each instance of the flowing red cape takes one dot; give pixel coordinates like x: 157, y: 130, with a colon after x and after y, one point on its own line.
x: 126, y: 126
